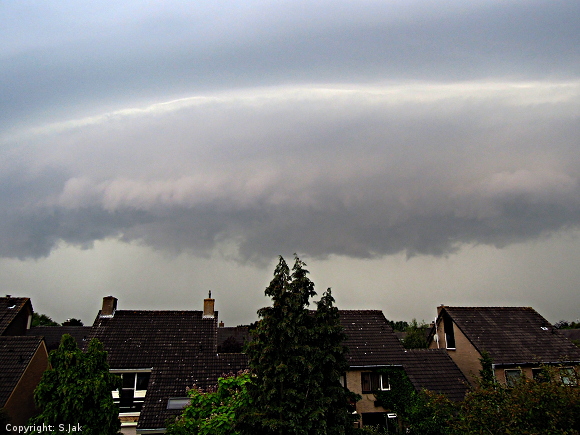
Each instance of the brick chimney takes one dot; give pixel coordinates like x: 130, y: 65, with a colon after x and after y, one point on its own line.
x: 109, y: 306
x: 208, y: 307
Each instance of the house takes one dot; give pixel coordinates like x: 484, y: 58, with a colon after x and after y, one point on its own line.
x: 158, y: 354
x: 23, y: 360
x: 372, y: 346
x: 15, y: 315
x: 518, y: 339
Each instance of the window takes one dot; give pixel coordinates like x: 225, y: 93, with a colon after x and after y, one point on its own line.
x: 372, y: 381
x: 449, y: 333
x: 568, y: 376
x: 133, y: 390
x: 540, y: 375
x: 178, y: 402
x: 512, y: 376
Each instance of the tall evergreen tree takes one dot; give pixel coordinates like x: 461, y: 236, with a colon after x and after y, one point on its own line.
x: 297, y: 359
x: 76, y: 391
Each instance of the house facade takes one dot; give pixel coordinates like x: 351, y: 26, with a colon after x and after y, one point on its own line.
x: 372, y: 347
x: 518, y: 340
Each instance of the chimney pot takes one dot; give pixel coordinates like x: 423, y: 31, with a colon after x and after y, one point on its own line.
x: 109, y: 306
x: 208, y: 307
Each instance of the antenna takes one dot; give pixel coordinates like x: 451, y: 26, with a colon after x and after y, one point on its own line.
x: 209, y: 296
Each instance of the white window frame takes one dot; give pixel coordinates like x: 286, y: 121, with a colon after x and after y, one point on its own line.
x: 137, y: 394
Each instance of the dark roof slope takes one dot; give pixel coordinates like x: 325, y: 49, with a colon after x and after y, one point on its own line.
x: 513, y: 335
x: 179, y: 346
x: 143, y: 339
x: 15, y: 355
x: 434, y: 370
x: 370, y: 338
x: 53, y: 334
x: 570, y: 334
x: 9, y: 309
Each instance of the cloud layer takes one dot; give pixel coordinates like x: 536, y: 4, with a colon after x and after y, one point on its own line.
x: 352, y: 170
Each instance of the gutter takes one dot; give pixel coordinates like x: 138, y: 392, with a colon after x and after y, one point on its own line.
x: 375, y: 366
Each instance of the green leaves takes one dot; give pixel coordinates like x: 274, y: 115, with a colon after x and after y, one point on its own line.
x: 214, y: 412
x: 77, y: 390
x: 297, y: 357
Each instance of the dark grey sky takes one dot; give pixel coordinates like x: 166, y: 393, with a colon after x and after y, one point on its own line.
x: 398, y: 147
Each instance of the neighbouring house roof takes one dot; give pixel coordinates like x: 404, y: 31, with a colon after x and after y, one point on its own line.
x: 9, y: 309
x: 513, y: 335
x: 179, y: 346
x: 232, y: 338
x: 434, y: 370
x: 571, y: 334
x: 16, y: 353
x: 53, y: 334
x: 370, y: 339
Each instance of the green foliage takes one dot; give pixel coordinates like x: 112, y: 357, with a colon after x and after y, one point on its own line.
x: 74, y: 322
x: 214, y: 412
x: 564, y: 324
x: 486, y: 374
x: 4, y: 419
x: 529, y: 407
x: 420, y: 412
x: 371, y: 430
x: 42, y: 320
x: 416, y: 337
x: 77, y: 390
x: 399, y: 325
x: 297, y: 358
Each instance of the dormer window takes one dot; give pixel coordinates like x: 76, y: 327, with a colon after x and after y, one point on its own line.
x: 134, y: 386
x: 449, y: 333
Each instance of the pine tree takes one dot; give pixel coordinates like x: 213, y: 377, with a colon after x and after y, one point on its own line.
x: 297, y: 359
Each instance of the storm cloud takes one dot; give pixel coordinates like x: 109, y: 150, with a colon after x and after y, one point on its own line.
x: 417, y: 152
x: 361, y: 172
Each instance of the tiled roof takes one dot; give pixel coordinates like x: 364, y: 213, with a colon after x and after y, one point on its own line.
x: 53, y: 334
x: 370, y: 338
x: 9, y: 309
x: 513, y: 335
x: 180, y: 347
x: 570, y: 334
x: 15, y: 355
x: 142, y: 339
x: 172, y: 380
x: 434, y: 370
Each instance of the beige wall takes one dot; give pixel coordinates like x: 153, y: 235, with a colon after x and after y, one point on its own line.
x: 367, y: 403
x: 464, y: 355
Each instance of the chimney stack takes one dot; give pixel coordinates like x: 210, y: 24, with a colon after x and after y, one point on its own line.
x: 439, y: 308
x: 208, y: 307
x: 109, y: 306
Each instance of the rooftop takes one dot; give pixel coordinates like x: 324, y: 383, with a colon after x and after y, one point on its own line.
x: 513, y: 335
x: 15, y: 355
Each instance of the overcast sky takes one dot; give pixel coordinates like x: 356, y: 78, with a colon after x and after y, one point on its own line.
x: 412, y: 152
